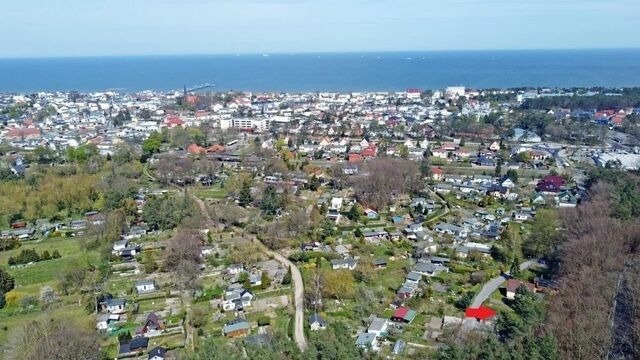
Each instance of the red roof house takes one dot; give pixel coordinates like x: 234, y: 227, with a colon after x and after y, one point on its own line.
x: 370, y: 151
x: 480, y: 313
x: 353, y: 158
x: 173, y: 121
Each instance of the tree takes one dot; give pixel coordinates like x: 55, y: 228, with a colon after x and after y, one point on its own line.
x: 354, y: 213
x: 7, y: 283
x: 265, y: 280
x: 53, y: 339
x: 151, y: 145
x: 244, y: 196
x: 513, y: 175
x: 337, y: 284
x: 464, y: 301
x: 271, y: 201
x: 498, y: 168
x: 286, y: 279
x: 544, y: 235
x: 314, y: 183
x: 149, y: 262
x: 528, y: 306
x: 425, y: 167
x: 182, y: 257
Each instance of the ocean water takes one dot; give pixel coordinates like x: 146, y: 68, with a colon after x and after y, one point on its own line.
x: 327, y: 72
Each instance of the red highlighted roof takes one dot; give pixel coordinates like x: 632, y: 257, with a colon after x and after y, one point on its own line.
x: 480, y: 313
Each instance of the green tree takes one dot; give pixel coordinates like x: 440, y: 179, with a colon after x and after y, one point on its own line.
x: 149, y: 262
x: 513, y: 175
x: 544, y: 235
x: 354, y: 213
x: 244, y: 195
x: 271, y: 201
x: 498, y: 168
x: 314, y: 183
x: 286, y: 279
x: 151, y: 145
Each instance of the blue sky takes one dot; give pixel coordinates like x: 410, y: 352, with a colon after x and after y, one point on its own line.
x: 44, y: 28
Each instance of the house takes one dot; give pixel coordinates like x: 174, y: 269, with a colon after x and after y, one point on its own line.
x: 398, y: 347
x: 255, y: 279
x: 506, y: 182
x: 367, y: 341
x: 374, y: 236
x: 429, y: 269
x: 413, y: 278
x: 480, y: 313
x: 495, y: 146
x: 443, y: 188
x: 236, y: 328
x: 342, y: 250
x: 371, y: 214
x: 145, y: 286
x: 567, y: 199
x: 157, y: 353
x: 104, y: 321
x: 378, y: 326
x: 446, y: 228
x: 379, y: 263
x: 116, y: 306
x: 134, y: 345
x: 467, y: 248
x: 236, y: 298
x: 235, y: 269
x: 152, y: 326
x: 440, y: 153
x: 437, y: 174
x: 403, y: 315
x: 316, y: 322
x: 513, y: 285
x: 349, y: 264
x: 336, y: 204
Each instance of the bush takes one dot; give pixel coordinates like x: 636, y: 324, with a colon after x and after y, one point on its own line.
x: 56, y: 254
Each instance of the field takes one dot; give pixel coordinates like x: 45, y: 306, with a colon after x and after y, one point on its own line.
x: 31, y: 278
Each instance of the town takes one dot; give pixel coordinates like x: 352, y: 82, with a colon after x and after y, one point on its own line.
x: 355, y: 225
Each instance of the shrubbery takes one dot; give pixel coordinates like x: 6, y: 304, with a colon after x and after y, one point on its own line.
x: 29, y: 255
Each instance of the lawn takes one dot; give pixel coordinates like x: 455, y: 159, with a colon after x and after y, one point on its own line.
x: 45, y: 272
x: 214, y: 192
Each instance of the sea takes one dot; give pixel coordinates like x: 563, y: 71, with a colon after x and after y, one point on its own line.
x: 339, y: 72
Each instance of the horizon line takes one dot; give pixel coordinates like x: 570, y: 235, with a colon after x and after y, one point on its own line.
x: 320, y: 52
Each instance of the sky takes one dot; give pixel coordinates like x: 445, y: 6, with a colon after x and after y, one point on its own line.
x: 68, y: 28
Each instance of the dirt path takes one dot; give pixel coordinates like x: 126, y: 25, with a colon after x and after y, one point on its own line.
x: 296, y: 277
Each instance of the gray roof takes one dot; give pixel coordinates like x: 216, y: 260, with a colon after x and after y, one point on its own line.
x: 365, y: 339
x: 414, y: 276
x: 240, y: 325
x: 315, y: 318
x: 377, y: 324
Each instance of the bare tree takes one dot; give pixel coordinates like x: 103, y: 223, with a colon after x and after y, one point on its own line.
x: 52, y: 339
x: 182, y: 256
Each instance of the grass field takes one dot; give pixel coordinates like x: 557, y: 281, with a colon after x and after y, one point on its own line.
x: 31, y: 278
x: 45, y: 272
x: 214, y: 192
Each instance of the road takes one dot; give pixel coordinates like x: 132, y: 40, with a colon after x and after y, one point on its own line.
x: 296, y: 277
x: 298, y: 295
x: 493, y: 285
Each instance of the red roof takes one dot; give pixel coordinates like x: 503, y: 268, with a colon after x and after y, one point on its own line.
x: 23, y: 132
x: 355, y: 158
x: 371, y: 151
x: 554, y: 179
x: 174, y: 120
x: 480, y: 313
x: 436, y: 170
x: 401, y: 312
